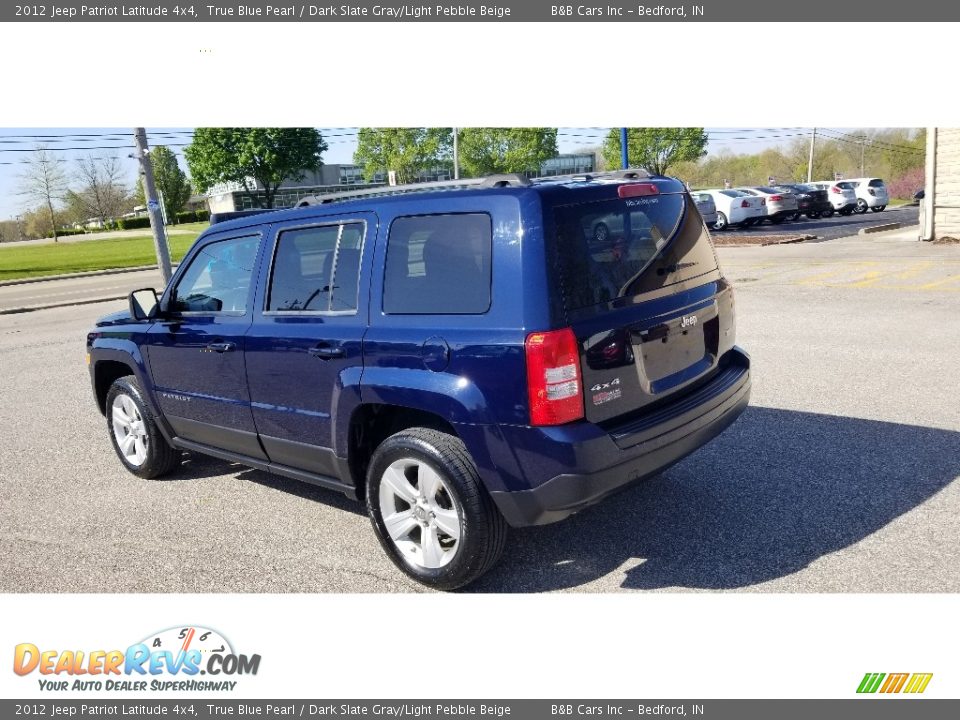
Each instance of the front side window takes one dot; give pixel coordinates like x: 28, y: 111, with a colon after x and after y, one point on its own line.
x: 218, y: 277
x: 317, y: 269
x: 438, y: 265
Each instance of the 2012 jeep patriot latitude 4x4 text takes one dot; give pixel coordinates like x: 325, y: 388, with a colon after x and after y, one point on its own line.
x: 464, y: 357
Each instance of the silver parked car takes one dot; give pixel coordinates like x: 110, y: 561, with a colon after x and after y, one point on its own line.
x: 706, y: 206
x: 780, y: 205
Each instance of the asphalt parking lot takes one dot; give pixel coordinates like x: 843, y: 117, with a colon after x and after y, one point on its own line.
x: 838, y: 226
x: 842, y: 476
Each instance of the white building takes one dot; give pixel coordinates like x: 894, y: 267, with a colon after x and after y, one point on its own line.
x: 940, y: 210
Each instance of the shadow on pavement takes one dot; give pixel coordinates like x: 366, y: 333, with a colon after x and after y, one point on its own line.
x: 778, y: 490
x: 198, y: 467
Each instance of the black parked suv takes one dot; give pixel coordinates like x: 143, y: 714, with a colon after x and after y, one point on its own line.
x: 462, y: 356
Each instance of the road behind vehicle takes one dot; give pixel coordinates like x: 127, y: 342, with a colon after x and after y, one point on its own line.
x: 811, y: 201
x: 779, y: 206
x: 736, y: 208
x: 841, y: 194
x: 871, y: 194
x: 462, y: 356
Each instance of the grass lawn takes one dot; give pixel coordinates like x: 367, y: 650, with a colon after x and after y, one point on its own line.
x: 69, y: 257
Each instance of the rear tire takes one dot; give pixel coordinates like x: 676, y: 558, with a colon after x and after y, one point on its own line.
x: 861, y: 207
x: 879, y: 208
x: 136, y: 439
x: 431, y: 513
x: 796, y: 216
x: 814, y: 215
x: 828, y: 213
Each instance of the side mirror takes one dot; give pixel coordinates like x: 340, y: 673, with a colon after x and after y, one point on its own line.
x: 144, y: 304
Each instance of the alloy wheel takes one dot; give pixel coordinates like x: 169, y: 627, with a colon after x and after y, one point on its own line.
x: 419, y: 513
x: 129, y: 430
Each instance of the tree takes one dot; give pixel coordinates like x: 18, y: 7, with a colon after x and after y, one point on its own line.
x: 37, y: 223
x: 268, y: 155
x: 44, y: 182
x: 487, y: 151
x: 405, y: 151
x: 656, y: 149
x: 102, y: 191
x: 171, y: 181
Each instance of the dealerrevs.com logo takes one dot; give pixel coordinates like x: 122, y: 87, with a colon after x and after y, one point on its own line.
x: 172, y: 659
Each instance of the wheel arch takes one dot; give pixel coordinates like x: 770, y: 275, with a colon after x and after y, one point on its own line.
x: 372, y: 423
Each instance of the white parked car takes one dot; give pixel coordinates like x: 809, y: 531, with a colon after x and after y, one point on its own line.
x: 736, y: 208
x: 706, y: 206
x: 841, y: 194
x: 871, y: 194
x: 780, y: 205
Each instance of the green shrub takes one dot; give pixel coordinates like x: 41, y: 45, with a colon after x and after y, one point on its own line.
x: 193, y: 216
x: 133, y: 223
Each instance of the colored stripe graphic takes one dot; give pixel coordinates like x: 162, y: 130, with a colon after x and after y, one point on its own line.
x: 894, y: 682
x: 918, y: 683
x: 870, y: 682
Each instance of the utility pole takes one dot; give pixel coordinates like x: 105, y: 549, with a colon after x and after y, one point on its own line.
x: 813, y: 140
x: 863, y: 142
x: 153, y: 205
x: 456, y: 154
x: 624, y: 154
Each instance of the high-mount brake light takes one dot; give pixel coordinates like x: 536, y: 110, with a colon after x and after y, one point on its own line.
x: 554, y: 380
x: 637, y: 190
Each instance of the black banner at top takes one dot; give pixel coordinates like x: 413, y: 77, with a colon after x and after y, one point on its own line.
x: 486, y: 11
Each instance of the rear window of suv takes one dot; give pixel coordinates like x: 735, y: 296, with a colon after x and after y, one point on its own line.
x: 875, y: 183
x: 604, y: 249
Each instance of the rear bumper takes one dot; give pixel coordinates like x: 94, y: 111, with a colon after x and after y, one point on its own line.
x: 610, y: 461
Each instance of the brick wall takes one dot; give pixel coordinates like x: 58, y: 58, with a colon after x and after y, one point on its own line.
x: 947, y: 183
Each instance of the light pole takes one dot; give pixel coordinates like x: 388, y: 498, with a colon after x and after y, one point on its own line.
x: 153, y: 205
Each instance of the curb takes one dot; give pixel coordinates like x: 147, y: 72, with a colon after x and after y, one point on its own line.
x: 86, y: 273
x: 72, y: 303
x: 879, y: 228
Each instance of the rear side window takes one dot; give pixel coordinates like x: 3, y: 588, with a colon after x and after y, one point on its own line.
x: 317, y: 269
x: 604, y: 249
x: 438, y: 265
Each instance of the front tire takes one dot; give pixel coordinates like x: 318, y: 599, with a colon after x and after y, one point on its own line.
x: 432, y: 515
x: 861, y: 207
x: 879, y: 208
x: 136, y: 439
x: 721, y: 224
x: 829, y: 213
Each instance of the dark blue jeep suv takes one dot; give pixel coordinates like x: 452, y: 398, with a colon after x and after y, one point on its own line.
x: 464, y: 356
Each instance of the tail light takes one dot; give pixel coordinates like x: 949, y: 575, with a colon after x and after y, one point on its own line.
x: 745, y: 203
x: 836, y: 190
x: 775, y: 198
x: 554, y: 381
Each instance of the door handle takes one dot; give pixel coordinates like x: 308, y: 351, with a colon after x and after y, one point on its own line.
x: 220, y: 347
x: 327, y: 352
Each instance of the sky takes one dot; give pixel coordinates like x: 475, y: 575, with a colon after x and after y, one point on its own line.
x: 17, y: 145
